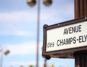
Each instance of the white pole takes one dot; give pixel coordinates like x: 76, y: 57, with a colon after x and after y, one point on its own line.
x: 38, y: 33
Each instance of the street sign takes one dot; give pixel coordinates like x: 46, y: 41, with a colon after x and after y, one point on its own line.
x: 65, y: 37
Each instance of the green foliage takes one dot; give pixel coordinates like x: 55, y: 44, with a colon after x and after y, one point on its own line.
x: 31, y: 66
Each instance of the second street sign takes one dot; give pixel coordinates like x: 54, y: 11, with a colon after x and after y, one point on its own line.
x: 64, y: 36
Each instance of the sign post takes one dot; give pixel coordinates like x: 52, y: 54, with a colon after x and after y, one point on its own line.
x: 80, y: 7
x: 80, y: 11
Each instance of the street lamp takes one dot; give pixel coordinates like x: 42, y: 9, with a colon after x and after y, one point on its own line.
x: 32, y: 3
x: 47, y: 2
x: 3, y: 53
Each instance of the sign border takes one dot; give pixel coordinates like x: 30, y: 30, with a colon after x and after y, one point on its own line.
x: 64, y: 51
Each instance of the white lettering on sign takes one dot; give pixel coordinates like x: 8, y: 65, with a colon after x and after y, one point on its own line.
x: 67, y: 37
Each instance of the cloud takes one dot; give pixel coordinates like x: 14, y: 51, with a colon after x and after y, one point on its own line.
x: 24, y: 15
x: 21, y: 33
x: 26, y: 48
x: 23, y: 63
x: 19, y: 63
x: 22, y: 48
x: 16, y: 15
x: 69, y: 9
x: 16, y: 33
x: 18, y: 29
x: 16, y: 22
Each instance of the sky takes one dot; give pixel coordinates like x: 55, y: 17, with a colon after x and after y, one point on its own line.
x: 18, y: 24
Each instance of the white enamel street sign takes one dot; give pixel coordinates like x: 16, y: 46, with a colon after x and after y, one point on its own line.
x: 67, y: 37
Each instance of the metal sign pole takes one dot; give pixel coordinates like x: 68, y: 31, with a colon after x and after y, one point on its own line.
x: 80, y: 8
x: 80, y: 12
